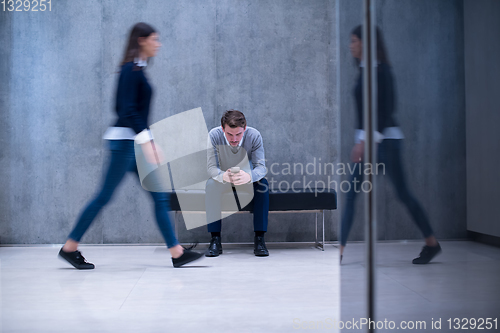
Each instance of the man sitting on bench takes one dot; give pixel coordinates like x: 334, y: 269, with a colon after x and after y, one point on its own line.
x: 236, y: 144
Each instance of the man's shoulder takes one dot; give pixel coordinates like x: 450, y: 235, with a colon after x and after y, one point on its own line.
x: 253, y: 132
x: 215, y: 131
x: 216, y: 135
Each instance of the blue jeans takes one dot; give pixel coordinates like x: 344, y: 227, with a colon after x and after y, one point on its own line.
x: 389, y: 153
x: 122, y: 161
x: 214, y: 191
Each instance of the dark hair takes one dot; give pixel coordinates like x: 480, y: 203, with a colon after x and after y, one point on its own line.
x: 233, y: 118
x: 381, y: 51
x: 140, y: 29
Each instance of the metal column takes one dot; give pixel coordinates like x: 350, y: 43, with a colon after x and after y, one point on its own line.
x: 369, y: 122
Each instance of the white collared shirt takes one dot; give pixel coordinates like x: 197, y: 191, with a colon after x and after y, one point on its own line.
x: 389, y: 133
x: 140, y: 62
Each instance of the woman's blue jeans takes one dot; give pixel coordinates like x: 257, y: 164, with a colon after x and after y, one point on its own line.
x: 389, y: 153
x: 122, y: 161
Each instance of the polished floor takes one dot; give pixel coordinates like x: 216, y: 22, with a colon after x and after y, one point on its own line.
x: 136, y: 289
x: 461, y: 283
x: 297, y: 288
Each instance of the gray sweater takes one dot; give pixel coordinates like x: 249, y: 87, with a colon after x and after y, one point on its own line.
x: 249, y: 155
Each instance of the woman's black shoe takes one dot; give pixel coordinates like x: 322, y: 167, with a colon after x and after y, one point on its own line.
x: 428, y: 252
x: 76, y: 259
x: 187, y: 257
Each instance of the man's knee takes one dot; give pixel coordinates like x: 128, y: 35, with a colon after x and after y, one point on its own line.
x: 214, y: 189
x: 213, y: 184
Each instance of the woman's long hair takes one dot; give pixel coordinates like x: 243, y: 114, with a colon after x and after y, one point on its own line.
x: 381, y: 51
x: 140, y: 29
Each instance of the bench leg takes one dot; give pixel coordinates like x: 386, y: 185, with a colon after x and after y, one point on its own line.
x: 316, y: 243
x: 316, y: 238
x: 323, y: 242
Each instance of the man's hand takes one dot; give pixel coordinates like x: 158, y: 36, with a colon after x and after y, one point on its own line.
x: 241, y: 178
x: 227, y: 176
x: 357, y: 152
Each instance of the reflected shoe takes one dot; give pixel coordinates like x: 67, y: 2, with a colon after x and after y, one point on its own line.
x: 190, y: 247
x: 76, y: 259
x: 215, y: 247
x: 427, y: 254
x: 259, y: 247
x: 187, y: 257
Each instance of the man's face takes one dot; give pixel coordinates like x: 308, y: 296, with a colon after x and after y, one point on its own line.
x: 233, y: 135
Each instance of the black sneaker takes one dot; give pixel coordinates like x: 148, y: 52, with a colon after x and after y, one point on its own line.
x: 76, y: 259
x: 215, y: 247
x: 259, y: 247
x: 428, y: 252
x: 187, y: 257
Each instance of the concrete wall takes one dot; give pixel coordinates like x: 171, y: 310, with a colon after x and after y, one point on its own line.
x: 268, y: 59
x: 424, y: 41
x: 5, y: 130
x: 52, y: 149
x: 284, y: 63
x: 482, y: 73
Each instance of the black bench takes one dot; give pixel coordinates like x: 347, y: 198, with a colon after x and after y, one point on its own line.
x: 191, y: 172
x: 292, y: 201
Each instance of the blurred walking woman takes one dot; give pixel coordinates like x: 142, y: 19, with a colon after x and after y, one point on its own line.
x: 133, y: 98
x: 389, y: 136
